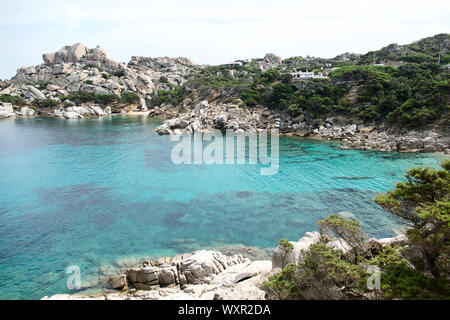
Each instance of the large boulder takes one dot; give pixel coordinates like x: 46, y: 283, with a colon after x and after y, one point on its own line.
x: 25, y: 111
x: 143, y: 278
x: 271, y: 61
x: 119, y: 282
x: 71, y: 115
x: 35, y: 93
x: 81, y: 110
x: 49, y: 58
x: 242, y: 271
x: 98, y: 111
x: 66, y: 54
x: 149, y: 277
x: 167, y: 275
x: 163, y: 129
x: 76, y: 52
x: 5, y: 114
x: 29, y: 70
x: 350, y: 129
x: 203, y: 265
x: 221, y: 120
x: 6, y: 106
x: 6, y: 110
x: 400, y: 239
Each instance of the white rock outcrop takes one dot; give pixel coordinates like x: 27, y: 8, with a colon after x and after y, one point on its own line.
x: 25, y: 111
x: 283, y: 256
x: 208, y: 274
x: 6, y: 110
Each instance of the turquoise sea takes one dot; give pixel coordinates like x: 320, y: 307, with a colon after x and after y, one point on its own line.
x: 96, y: 192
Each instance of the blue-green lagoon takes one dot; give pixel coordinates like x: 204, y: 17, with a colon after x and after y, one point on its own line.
x: 95, y: 192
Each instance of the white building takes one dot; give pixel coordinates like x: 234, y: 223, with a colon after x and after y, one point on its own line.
x: 232, y: 64
x: 307, y: 75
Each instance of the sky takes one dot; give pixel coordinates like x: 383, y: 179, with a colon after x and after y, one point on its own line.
x: 210, y: 31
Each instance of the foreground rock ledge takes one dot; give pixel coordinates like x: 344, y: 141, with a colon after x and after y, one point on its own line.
x: 207, y: 274
x: 203, y: 274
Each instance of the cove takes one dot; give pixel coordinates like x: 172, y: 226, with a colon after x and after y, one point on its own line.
x: 102, y: 193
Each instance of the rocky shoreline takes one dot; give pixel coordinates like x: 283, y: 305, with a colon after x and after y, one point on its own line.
x: 207, y: 117
x: 208, y: 274
x: 78, y: 69
x: 7, y: 110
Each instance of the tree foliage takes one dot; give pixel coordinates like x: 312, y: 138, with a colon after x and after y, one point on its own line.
x: 418, y: 269
x: 423, y: 201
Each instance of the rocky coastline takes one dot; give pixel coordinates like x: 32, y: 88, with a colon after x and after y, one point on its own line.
x: 208, y: 274
x: 208, y: 117
x: 78, y: 69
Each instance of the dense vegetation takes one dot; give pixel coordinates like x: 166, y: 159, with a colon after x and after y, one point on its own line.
x: 173, y: 97
x: 15, y: 100
x: 77, y: 97
x: 417, y: 270
x: 426, y: 50
x: 413, y: 92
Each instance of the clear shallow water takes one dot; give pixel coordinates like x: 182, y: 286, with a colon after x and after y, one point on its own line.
x: 93, y: 192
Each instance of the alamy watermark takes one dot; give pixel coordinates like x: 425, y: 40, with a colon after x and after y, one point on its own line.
x: 229, y: 148
x: 74, y: 279
x: 374, y: 280
x: 73, y: 17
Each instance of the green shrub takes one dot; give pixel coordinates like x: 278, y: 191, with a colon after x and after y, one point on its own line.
x: 44, y: 103
x: 163, y: 79
x: 15, y: 100
x: 119, y: 73
x: 423, y: 201
x: 105, y: 99
x: 285, y: 243
x: 320, y: 275
x: 79, y: 97
x: 89, y: 66
x: 173, y: 97
x: 417, y: 270
x: 129, y: 97
x: 399, y: 281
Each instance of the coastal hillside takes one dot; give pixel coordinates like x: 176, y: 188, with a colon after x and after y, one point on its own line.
x: 76, y: 75
x: 394, y: 99
x: 401, y: 85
